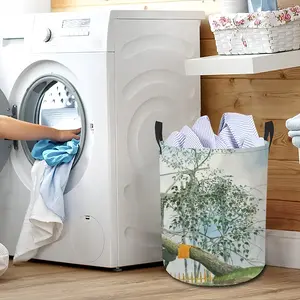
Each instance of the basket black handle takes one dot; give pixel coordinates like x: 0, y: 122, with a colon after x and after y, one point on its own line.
x: 269, y: 131
x: 158, y: 134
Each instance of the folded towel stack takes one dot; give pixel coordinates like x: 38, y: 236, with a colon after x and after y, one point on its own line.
x: 293, y: 125
x: 235, y: 131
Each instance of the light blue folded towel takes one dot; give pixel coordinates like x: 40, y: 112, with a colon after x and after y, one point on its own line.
x: 296, y: 141
x: 293, y: 133
x: 59, y: 158
x: 293, y: 124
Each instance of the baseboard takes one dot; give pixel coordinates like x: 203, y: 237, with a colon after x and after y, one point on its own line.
x: 283, y: 249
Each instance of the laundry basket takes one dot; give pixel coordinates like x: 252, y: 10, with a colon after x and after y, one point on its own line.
x: 258, y: 32
x: 213, y: 205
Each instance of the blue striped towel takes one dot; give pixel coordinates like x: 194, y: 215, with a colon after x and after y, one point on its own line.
x: 235, y: 131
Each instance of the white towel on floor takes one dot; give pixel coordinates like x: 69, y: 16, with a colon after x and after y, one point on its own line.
x: 41, y: 226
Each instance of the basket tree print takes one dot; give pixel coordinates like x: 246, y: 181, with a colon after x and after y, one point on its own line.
x: 213, y: 226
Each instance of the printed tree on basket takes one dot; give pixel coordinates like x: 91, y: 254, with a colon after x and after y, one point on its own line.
x: 209, y: 211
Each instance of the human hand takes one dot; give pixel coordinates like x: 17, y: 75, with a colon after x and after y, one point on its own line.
x: 68, y: 135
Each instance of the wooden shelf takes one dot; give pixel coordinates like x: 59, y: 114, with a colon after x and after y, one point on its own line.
x: 242, y: 64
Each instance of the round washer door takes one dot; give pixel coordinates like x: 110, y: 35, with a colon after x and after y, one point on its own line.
x: 38, y: 82
x: 5, y: 145
x: 52, y: 101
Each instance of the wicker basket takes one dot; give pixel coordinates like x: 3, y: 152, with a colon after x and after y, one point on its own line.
x: 257, y: 33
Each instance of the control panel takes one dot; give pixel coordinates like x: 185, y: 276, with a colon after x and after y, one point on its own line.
x: 91, y: 31
x: 71, y: 32
x: 76, y: 27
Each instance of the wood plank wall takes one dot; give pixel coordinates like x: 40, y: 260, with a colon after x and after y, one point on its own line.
x: 269, y: 96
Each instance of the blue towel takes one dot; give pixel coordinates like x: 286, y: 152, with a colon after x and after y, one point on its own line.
x: 59, y: 158
x: 53, y: 187
x: 55, y: 153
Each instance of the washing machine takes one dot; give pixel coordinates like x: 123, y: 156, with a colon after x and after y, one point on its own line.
x: 114, y: 74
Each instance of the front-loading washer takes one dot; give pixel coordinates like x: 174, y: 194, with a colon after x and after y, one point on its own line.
x: 114, y: 73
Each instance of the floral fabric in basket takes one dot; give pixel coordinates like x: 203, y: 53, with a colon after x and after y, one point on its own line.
x: 213, y: 205
x: 264, y: 19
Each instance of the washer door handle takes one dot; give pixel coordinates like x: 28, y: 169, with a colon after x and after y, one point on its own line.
x: 14, y: 113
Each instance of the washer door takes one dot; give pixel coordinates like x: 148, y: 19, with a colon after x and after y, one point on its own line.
x: 48, y: 93
x: 5, y: 145
x: 52, y: 101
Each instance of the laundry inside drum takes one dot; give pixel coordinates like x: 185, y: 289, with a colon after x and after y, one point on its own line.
x: 59, y: 108
x: 53, y: 101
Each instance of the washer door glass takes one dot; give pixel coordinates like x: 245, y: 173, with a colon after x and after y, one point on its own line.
x: 52, y: 101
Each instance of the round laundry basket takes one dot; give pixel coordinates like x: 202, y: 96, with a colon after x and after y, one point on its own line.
x: 213, y: 205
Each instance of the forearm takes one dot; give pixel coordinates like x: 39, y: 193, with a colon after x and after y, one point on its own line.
x: 13, y: 129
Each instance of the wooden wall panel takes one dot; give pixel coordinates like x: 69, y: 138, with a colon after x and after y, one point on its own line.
x: 284, y: 178
x: 287, y: 3
x: 283, y: 215
x: 206, y: 33
x: 267, y: 96
x: 260, y: 97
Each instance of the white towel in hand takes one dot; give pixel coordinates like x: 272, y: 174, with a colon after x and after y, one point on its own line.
x: 41, y: 226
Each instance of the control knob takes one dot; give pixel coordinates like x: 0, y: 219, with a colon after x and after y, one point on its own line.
x: 46, y: 35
